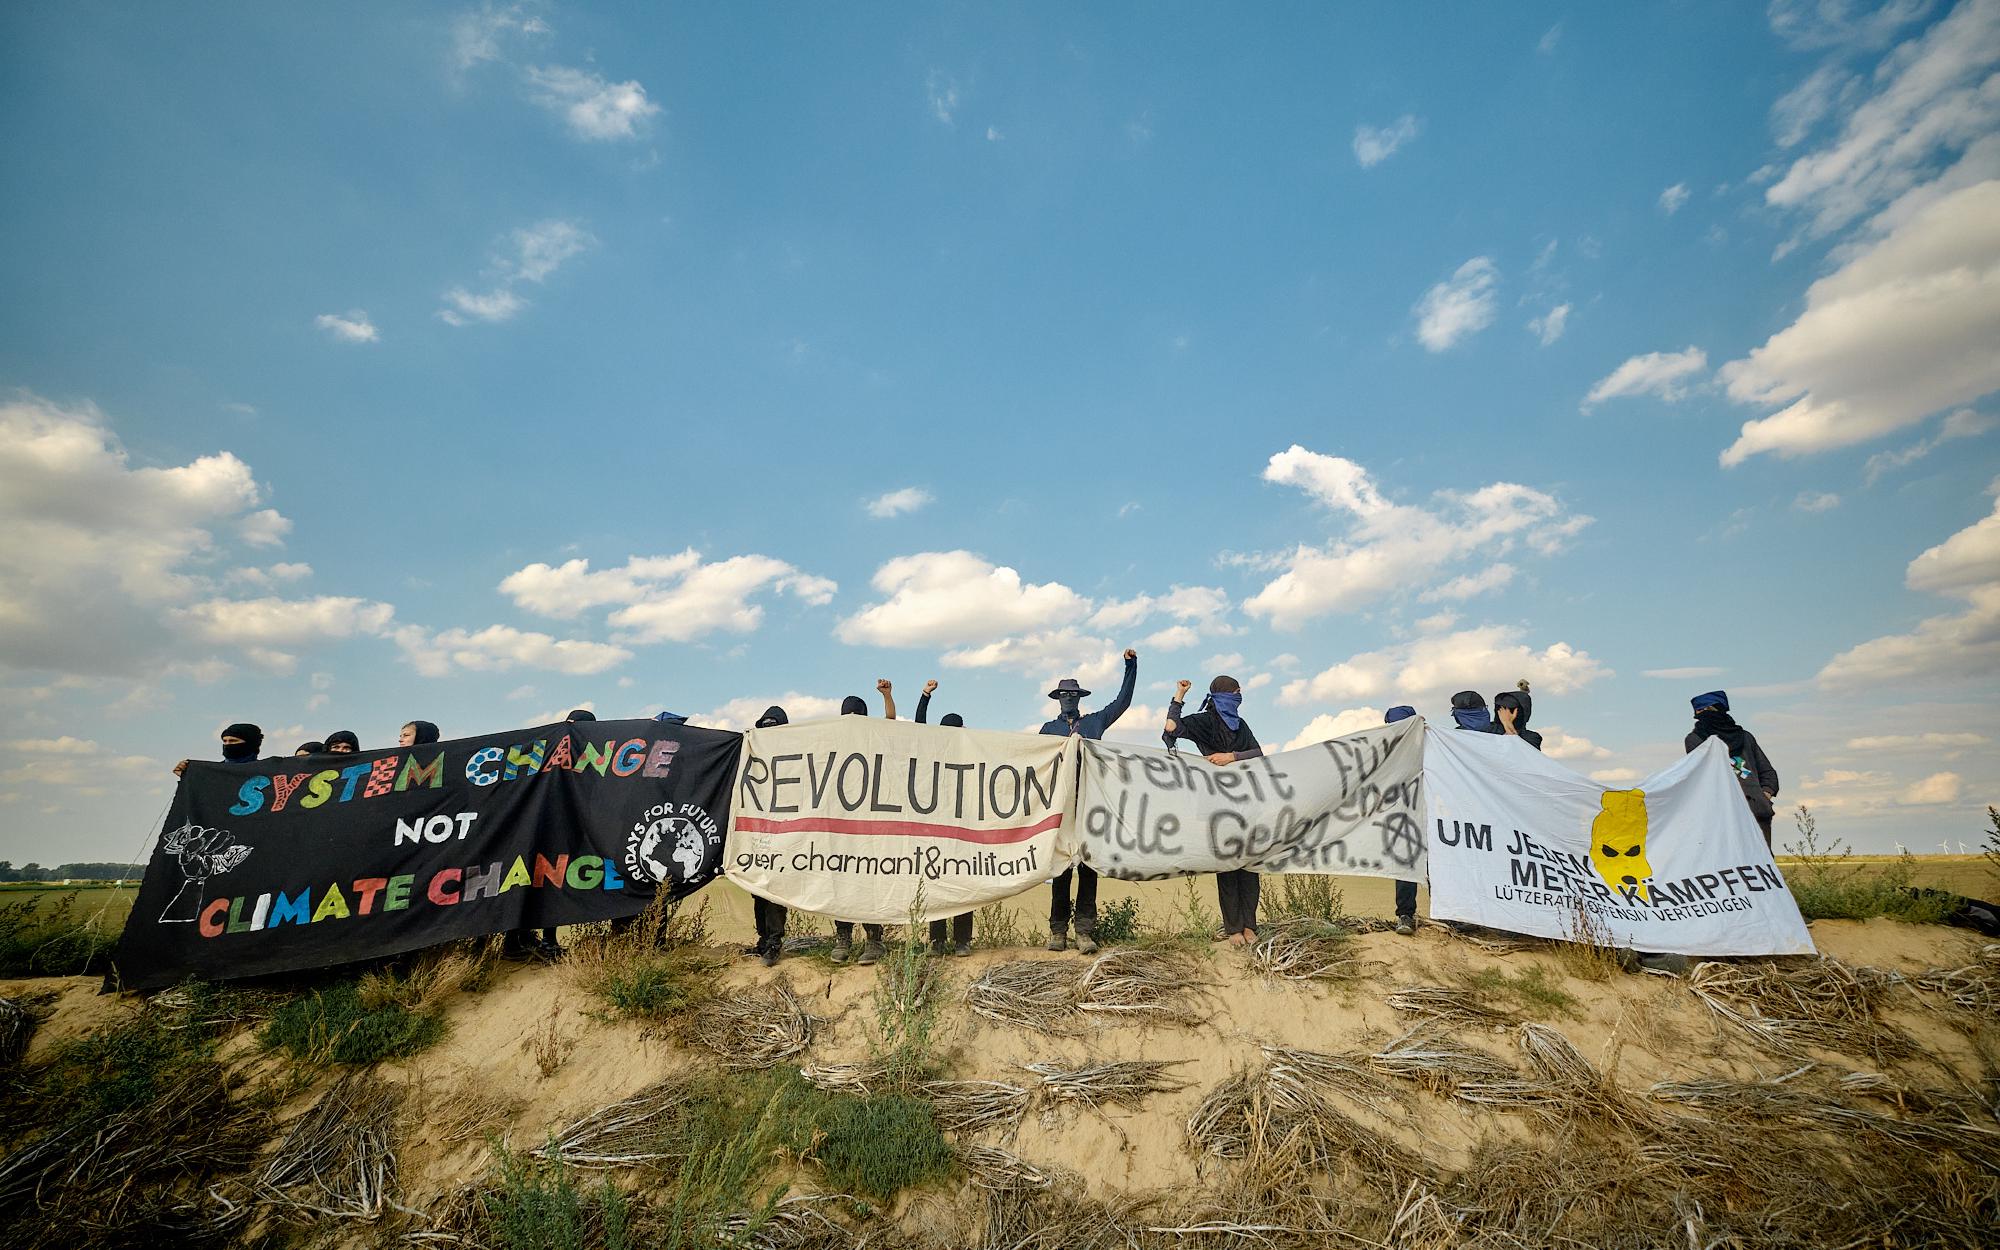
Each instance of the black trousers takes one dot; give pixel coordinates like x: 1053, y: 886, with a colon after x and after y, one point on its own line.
x: 961, y: 929
x: 770, y: 921
x: 1406, y: 898
x: 843, y: 930
x: 1237, y: 891
x: 1086, y: 900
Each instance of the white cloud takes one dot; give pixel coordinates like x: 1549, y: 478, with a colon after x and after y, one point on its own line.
x: 354, y: 327
x: 1375, y: 144
x: 1665, y: 374
x: 956, y: 597
x: 1831, y: 23
x: 264, y: 529
x: 1437, y: 622
x: 477, y: 34
x: 1427, y: 670
x: 1615, y: 776
x: 941, y: 93
x: 741, y: 714
x: 594, y: 108
x: 1901, y: 331
x: 1140, y: 726
x: 1546, y: 45
x: 1673, y: 198
x: 676, y: 598
x: 500, y: 648
x: 1224, y: 661
x: 1965, y: 423
x: 273, y: 576
x: 1557, y: 744
x: 271, y: 622
x: 532, y: 253
x: 898, y: 502
x: 1682, y: 674
x: 1940, y: 648
x: 1172, y: 638
x: 1934, y: 789
x: 1458, y: 307
x: 993, y: 134
x: 466, y: 306
x: 1917, y: 742
x: 1471, y: 585
x: 1337, y: 725
x: 1811, y: 102
x: 78, y: 766
x: 1046, y: 655
x: 1816, y: 501
x: 1391, y: 547
x: 1933, y: 95
x: 1550, y: 325
x: 97, y: 548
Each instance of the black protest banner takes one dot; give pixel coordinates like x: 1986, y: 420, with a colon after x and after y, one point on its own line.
x: 318, y: 860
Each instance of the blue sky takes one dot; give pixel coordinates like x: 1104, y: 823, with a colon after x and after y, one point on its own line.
x: 472, y: 364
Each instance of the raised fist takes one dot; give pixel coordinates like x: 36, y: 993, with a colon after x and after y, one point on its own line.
x: 1130, y: 654
x: 882, y: 684
x: 930, y: 687
x: 1180, y: 690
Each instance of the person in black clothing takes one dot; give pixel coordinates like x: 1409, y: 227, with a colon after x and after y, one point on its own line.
x: 342, y: 742
x: 1073, y: 722
x: 240, y: 744
x: 1753, y: 768
x: 1222, y: 736
x: 1511, y: 710
x: 311, y: 748
x: 843, y: 930
x: 1406, y: 891
x: 770, y: 916
x: 1468, y: 711
x: 580, y: 714
x: 418, y: 733
x: 960, y: 935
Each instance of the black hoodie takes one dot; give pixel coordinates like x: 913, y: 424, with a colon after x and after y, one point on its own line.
x: 1526, y: 703
x: 854, y: 705
x: 773, y: 715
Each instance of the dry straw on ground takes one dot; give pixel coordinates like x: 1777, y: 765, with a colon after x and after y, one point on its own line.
x: 630, y: 1131
x: 339, y: 1158
x: 1054, y: 998
x: 1973, y: 987
x: 1449, y: 1006
x: 756, y: 1030
x: 1307, y: 950
x: 972, y: 1106
x: 17, y: 1029
x: 1121, y: 1083
x: 1787, y: 1009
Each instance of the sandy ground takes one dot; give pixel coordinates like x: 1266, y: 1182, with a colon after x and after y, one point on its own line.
x: 538, y: 1050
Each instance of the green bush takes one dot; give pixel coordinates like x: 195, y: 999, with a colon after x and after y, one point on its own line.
x: 541, y: 1207
x: 336, y: 1023
x: 1118, y: 922
x: 51, y: 941
x: 1827, y: 887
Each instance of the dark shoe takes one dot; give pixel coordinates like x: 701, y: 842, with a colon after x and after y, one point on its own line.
x: 517, y: 953
x: 938, y: 947
x: 842, y: 951
x: 1670, y: 965
x: 1628, y: 959
x: 1406, y: 925
x: 755, y: 948
x: 963, y: 948
x: 771, y: 954
x: 549, y: 951
x: 1058, y: 940
x: 1086, y: 943
x: 871, y: 951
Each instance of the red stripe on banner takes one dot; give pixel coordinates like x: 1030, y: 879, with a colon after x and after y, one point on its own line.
x: 899, y: 828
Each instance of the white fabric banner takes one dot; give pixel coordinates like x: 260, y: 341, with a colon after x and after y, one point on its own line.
x: 1675, y: 864
x: 1352, y: 805
x: 857, y: 818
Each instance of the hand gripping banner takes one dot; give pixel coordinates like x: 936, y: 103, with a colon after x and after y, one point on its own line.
x: 1351, y: 805
x: 319, y: 860
x: 1676, y: 864
x: 863, y: 819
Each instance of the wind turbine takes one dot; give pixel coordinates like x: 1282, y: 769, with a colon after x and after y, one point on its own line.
x: 1962, y: 850
x: 1901, y: 849
x: 1944, y: 848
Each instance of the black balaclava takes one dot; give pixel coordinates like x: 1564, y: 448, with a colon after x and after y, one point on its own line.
x: 245, y: 751
x: 339, y: 736
x: 1071, y: 704
x: 310, y: 748
x: 582, y: 713
x: 426, y: 732
x: 854, y: 705
x: 952, y: 720
x: 773, y: 715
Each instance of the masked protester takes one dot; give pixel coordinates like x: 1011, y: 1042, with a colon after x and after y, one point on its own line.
x: 417, y: 733
x: 958, y: 930
x: 528, y: 943
x: 843, y: 930
x: 1073, y: 721
x: 240, y: 744
x: 770, y: 916
x: 1511, y: 710
x: 1753, y: 768
x: 1220, y: 733
x: 1406, y: 891
x: 1468, y: 711
x: 342, y: 742
x: 311, y: 748
x: 580, y: 714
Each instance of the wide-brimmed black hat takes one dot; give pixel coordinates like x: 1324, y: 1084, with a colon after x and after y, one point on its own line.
x: 1068, y: 686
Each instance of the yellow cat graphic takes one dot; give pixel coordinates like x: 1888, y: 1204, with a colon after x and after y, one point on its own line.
x: 1618, y: 842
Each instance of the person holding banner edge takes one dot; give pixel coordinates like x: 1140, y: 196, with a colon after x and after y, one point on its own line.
x: 960, y: 926
x: 1220, y: 733
x: 769, y: 916
x: 843, y: 930
x: 1406, y: 891
x: 1075, y: 722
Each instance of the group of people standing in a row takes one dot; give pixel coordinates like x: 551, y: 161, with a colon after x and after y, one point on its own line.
x: 1219, y: 733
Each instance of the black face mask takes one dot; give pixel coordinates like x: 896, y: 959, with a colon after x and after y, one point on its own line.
x: 240, y: 752
x: 1072, y: 706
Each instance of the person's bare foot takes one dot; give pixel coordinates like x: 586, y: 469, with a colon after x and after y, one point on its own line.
x: 1249, y: 937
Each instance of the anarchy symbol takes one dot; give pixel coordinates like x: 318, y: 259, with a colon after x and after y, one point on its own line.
x: 1402, y: 838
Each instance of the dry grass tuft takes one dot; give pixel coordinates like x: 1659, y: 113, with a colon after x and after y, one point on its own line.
x: 17, y: 1029
x: 468, y: 1110
x: 1121, y: 1083
x: 970, y: 1106
x: 1051, y: 997
x: 1973, y: 988
x: 1037, y: 994
x: 1307, y: 950
x: 339, y: 1158
x: 755, y: 1030
x: 1437, y: 1063
x: 1822, y: 1003
x: 1003, y: 1171
x: 1448, y: 1006
x: 630, y: 1131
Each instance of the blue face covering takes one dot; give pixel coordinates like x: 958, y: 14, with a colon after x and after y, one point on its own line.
x: 1228, y: 705
x: 1472, y: 717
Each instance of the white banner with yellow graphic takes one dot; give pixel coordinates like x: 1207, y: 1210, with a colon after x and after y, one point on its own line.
x: 1675, y: 864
